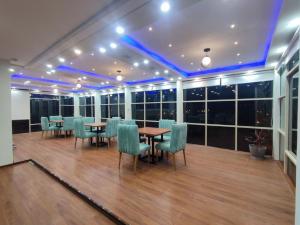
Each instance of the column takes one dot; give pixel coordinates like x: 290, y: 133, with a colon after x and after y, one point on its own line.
x: 6, y: 152
x: 128, y: 115
x: 76, y: 105
x: 276, y: 115
x: 179, y: 105
x: 97, y: 107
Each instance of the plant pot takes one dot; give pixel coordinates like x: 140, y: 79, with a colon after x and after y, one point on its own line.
x: 257, y: 151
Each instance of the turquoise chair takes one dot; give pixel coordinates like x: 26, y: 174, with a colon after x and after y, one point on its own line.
x: 111, y: 130
x: 80, y: 132
x: 128, y: 142
x: 176, y: 143
x: 116, y: 117
x: 165, y: 124
x: 46, y: 127
x: 128, y: 122
x: 88, y: 120
x: 55, y: 118
x: 68, y: 125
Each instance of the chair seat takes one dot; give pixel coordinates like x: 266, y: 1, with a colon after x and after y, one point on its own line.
x: 104, y: 135
x: 88, y: 134
x: 164, y: 146
x: 144, y: 147
x: 165, y: 138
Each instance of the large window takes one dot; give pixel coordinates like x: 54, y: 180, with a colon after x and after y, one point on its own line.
x: 112, y: 105
x: 87, y: 106
x: 67, y: 106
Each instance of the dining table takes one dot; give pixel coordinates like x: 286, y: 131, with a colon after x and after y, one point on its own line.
x: 150, y: 133
x: 99, y: 127
x: 58, y: 123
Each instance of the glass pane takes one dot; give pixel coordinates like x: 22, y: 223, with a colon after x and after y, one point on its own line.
x: 140, y: 123
x: 151, y: 124
x: 255, y: 113
x: 35, y: 111
x: 153, y: 111
x: 88, y: 100
x: 54, y: 97
x: 281, y: 147
x: 194, y: 112
x: 89, y: 111
x: 169, y: 95
x: 194, y: 94
x: 222, y: 137
x: 113, y: 98
x: 104, y: 111
x: 67, y: 111
x: 221, y: 92
x: 137, y: 111
x: 122, y: 111
x: 122, y: 98
x: 137, y: 97
x: 113, y: 111
x: 152, y: 96
x: 293, y: 61
x: 53, y: 107
x: 221, y: 113
x: 66, y: 100
x: 243, y: 145
x: 169, y: 111
x: 81, y: 100
x: 82, y: 110
x: 282, y: 85
x: 294, y: 115
x: 282, y: 113
x: 196, y: 134
x: 256, y: 90
x: 104, y: 99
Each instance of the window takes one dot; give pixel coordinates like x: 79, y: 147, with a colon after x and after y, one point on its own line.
x: 138, y: 111
x: 293, y: 109
x: 169, y: 95
x: 169, y: 111
x: 222, y: 137
x: 137, y: 97
x: 256, y: 90
x: 221, y: 112
x: 153, y: 111
x: 86, y: 106
x: 194, y: 112
x: 196, y: 134
x: 194, y: 94
x: 152, y: 96
x: 67, y: 106
x: 112, y: 105
x: 221, y: 92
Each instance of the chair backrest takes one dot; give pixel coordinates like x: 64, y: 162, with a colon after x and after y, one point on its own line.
x: 79, y: 128
x: 166, y: 124
x: 68, y: 123
x: 178, y: 137
x: 111, y: 128
x: 128, y: 139
x: 128, y: 122
x: 116, y: 117
x: 44, y: 123
x: 88, y: 119
x: 55, y: 118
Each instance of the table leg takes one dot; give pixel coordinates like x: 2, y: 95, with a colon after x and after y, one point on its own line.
x: 97, y: 138
x: 91, y: 139
x: 153, y: 156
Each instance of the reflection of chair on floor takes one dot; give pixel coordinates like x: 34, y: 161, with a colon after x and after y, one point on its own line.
x: 46, y: 126
x: 128, y: 142
x: 80, y: 132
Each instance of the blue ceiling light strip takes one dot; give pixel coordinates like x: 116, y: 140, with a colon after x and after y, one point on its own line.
x: 98, y: 88
x: 133, y: 43
x: 71, y: 70
x: 145, y: 81
x: 20, y: 86
x: 43, y: 80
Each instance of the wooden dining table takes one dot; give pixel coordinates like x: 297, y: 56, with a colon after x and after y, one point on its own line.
x: 58, y: 123
x: 150, y: 133
x: 99, y: 126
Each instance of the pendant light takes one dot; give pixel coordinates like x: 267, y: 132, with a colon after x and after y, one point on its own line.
x: 206, y: 60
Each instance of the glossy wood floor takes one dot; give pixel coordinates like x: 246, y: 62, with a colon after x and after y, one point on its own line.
x: 217, y: 186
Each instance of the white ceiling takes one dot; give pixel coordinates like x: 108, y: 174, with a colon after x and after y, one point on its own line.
x: 38, y: 32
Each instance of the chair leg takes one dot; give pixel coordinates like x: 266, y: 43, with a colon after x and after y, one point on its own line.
x: 82, y: 141
x: 108, y: 142
x: 75, y: 141
x: 174, y: 161
x: 156, y: 154
x: 42, y: 133
x: 135, y: 162
x: 120, y: 158
x: 184, y: 156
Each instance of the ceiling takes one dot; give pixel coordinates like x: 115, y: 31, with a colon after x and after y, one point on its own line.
x: 36, y: 33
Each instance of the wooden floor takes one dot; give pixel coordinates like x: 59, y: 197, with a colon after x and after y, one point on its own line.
x: 217, y: 187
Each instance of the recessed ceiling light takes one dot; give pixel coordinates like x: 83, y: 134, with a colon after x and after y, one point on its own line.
x: 179, y: 78
x: 146, y: 61
x: 119, y: 78
x: 11, y: 70
x: 48, y: 72
x: 166, y: 71
x: 54, y: 85
x: 238, y: 54
x: 115, y: 62
x: 55, y: 91
x: 182, y: 56
x: 236, y: 43
x: 120, y: 30
x: 192, y: 63
x: 170, y: 45
x: 240, y: 62
x: 138, y: 86
x: 250, y: 72
x: 79, y: 78
x: 171, y: 79
x: 84, y: 78
x: 92, y: 54
x: 37, y: 90
x: 157, y: 73
x: 294, y: 23
x: 274, y: 64
x: 281, y: 50
x: 77, y: 51
x: 136, y: 64
x: 150, y: 28
x: 232, y: 26
x: 61, y: 59
x: 93, y: 69
x: 113, y: 45
x: 107, y: 82
x: 165, y: 6
x: 27, y: 82
x: 53, y: 71
x: 102, y: 83
x: 49, y: 65
x: 71, y: 63
x: 102, y: 50
x: 78, y: 85
x: 221, y: 76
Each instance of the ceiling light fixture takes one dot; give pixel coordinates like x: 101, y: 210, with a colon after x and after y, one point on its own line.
x: 27, y: 82
x: 113, y: 45
x: 236, y: 43
x: 157, y: 73
x: 61, y: 59
x: 102, y: 50
x: 77, y: 51
x: 238, y: 54
x: 84, y: 78
x: 136, y: 64
x: 165, y: 7
x: 119, y: 77
x: 55, y: 91
x: 49, y: 66
x: 294, y: 23
x: 166, y: 71
x: 232, y: 26
x: 78, y: 85
x: 150, y: 29
x: 146, y: 61
x: 170, y: 45
x: 11, y: 70
x: 182, y: 56
x: 120, y: 30
x: 206, y: 60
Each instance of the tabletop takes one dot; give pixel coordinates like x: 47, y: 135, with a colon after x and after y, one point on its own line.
x: 153, y: 131
x: 97, y: 124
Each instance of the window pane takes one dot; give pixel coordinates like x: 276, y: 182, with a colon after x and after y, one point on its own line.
x: 193, y: 94
x: 66, y: 100
x: 282, y: 85
x: 196, y: 134
x: 221, y: 113
x: 194, y: 112
x: 104, y: 99
x: 222, y: 137
x: 169, y: 111
x: 67, y: 111
x: 293, y: 106
x: 81, y: 100
x: 169, y: 95
x: 282, y: 113
x: 113, y: 98
x: 113, y: 111
x: 255, y: 113
x: 104, y: 111
x: 243, y: 145
x: 152, y: 96
x: 53, y: 107
x: 122, y: 111
x: 138, y: 111
x: 122, y: 98
x: 82, y: 110
x: 293, y: 61
x: 89, y: 111
x: 153, y: 111
x: 137, y: 97
x: 151, y: 124
x: 221, y: 92
x: 256, y: 90
x: 140, y: 123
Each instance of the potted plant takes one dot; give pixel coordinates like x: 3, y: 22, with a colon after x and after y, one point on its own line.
x: 257, y: 145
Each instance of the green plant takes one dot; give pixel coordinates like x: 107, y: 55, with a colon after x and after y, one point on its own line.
x: 259, y: 138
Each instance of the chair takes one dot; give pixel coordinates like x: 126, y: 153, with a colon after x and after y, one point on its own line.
x: 165, y: 124
x: 176, y: 143
x: 128, y: 122
x: 46, y: 127
x: 116, y: 117
x: 128, y: 142
x: 68, y: 125
x: 88, y: 120
x: 79, y: 131
x: 111, y: 130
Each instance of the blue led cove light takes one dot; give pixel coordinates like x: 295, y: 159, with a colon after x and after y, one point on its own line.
x: 145, y: 81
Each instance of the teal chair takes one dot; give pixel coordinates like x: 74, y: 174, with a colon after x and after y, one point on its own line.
x: 68, y: 125
x: 116, y: 117
x: 176, y: 143
x: 46, y: 126
x: 55, y: 118
x: 128, y: 122
x: 128, y: 142
x: 165, y: 124
x: 88, y: 120
x: 80, y: 132
x: 111, y: 130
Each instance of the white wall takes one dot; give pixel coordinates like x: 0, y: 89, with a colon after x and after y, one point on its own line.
x: 20, y: 105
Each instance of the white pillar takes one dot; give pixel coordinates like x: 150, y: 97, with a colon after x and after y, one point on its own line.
x: 276, y: 115
x: 128, y: 115
x: 76, y: 105
x: 97, y: 107
x: 6, y: 152
x: 179, y: 105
